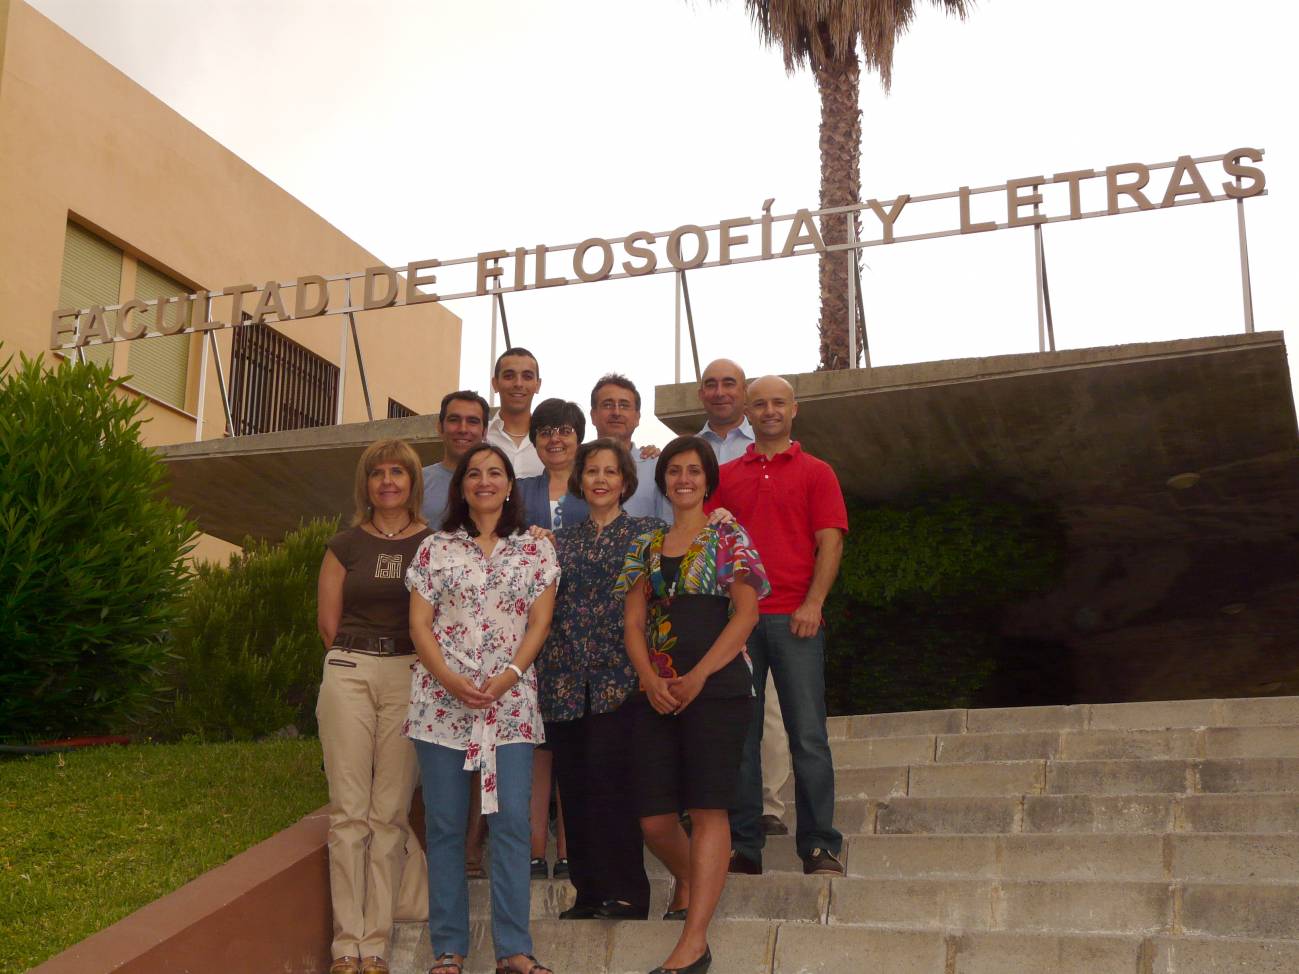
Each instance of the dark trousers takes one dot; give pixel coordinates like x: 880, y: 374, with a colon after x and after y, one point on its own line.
x: 593, y: 761
x: 797, y: 666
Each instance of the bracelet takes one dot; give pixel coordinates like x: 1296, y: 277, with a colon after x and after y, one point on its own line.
x: 517, y: 672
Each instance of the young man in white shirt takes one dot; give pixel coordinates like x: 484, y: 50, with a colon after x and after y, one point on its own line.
x: 517, y: 380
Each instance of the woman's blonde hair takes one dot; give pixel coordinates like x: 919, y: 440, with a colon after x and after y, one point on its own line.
x: 386, y: 451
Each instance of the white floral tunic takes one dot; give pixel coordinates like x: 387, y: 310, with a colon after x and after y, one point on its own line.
x: 480, y: 610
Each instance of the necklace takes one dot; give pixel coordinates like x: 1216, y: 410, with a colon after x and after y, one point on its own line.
x: 409, y: 521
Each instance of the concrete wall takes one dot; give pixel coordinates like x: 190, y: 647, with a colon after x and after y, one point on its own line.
x: 79, y: 138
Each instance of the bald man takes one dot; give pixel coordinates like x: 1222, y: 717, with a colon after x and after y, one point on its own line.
x: 728, y: 431
x: 792, y: 507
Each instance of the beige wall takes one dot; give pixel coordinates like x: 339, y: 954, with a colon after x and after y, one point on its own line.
x: 79, y: 138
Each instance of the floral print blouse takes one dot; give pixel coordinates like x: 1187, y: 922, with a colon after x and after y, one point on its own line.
x: 714, y: 560
x: 480, y: 611
x: 585, y: 650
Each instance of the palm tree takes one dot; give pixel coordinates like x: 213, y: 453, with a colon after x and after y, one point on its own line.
x: 824, y: 35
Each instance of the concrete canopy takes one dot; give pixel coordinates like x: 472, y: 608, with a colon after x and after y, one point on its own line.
x: 1101, y: 431
x: 265, y: 485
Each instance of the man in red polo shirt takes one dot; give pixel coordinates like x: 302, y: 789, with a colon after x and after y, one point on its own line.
x: 792, y: 507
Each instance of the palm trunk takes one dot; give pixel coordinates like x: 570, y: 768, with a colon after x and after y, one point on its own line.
x: 838, y: 82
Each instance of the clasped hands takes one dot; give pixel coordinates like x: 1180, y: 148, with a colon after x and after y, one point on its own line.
x: 477, y: 696
x: 672, y: 696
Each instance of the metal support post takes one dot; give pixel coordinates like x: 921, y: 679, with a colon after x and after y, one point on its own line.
x: 505, y: 322
x: 491, y: 362
x: 342, y: 363
x: 81, y: 354
x: 360, y: 361
x: 1037, y: 278
x: 690, y: 323
x: 221, y: 382
x: 201, y: 408
x: 677, y: 356
x: 1247, y: 292
x: 861, y: 316
x: 852, y: 308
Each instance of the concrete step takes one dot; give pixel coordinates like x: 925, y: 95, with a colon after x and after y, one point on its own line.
x: 1147, y: 715
x: 1218, y: 858
x: 902, y: 815
x: 1279, y: 741
x: 767, y: 947
x: 1152, y: 776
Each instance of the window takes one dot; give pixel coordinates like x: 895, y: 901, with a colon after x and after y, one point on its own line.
x: 92, y: 274
x: 276, y: 384
x: 397, y: 411
x: 159, y: 367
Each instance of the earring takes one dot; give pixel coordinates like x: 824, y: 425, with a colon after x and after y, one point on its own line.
x: 507, y: 498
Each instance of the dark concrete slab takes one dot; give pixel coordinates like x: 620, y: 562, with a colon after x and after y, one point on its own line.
x: 265, y: 485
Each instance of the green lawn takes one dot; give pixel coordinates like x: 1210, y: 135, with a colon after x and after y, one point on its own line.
x: 90, y: 836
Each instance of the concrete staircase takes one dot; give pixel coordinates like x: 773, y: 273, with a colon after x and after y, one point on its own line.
x: 1145, y: 838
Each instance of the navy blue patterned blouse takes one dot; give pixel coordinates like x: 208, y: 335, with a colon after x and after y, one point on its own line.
x: 585, y: 651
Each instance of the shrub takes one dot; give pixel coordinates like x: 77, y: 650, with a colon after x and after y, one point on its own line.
x: 91, y: 557
x: 914, y: 618
x: 248, y: 657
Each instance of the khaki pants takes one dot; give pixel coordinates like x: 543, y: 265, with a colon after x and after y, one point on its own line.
x: 775, y: 753
x: 376, y: 868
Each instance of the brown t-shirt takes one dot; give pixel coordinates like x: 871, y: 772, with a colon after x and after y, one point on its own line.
x: 375, y: 599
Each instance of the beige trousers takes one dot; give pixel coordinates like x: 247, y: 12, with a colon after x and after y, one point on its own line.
x: 376, y: 867
x: 775, y: 753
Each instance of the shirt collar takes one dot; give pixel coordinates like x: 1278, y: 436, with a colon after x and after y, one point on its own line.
x: 744, y: 429
x: 751, y: 454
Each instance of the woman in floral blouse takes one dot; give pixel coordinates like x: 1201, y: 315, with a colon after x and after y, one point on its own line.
x: 584, y: 678
x: 691, y: 601
x: 482, y: 593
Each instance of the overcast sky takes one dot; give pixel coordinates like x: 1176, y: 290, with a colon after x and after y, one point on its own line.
x: 430, y: 128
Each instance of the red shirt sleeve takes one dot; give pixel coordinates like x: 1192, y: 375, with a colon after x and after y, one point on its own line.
x: 827, y: 508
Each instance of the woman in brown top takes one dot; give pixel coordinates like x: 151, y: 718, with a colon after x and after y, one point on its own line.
x: 363, y: 614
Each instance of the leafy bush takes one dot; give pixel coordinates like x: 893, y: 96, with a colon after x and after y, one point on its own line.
x: 91, y: 558
x: 247, y: 653
x: 914, y: 618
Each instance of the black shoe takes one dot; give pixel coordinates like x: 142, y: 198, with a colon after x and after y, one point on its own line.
x: 676, y: 914
x: 539, y: 869
x: 617, y: 910
x: 561, y: 869
x: 698, y: 967
x: 579, y: 912
x: 822, y: 863
x: 772, y: 825
x: 740, y: 863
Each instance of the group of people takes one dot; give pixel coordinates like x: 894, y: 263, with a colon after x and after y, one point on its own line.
x: 631, y: 610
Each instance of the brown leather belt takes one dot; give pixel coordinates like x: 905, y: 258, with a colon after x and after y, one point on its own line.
x: 375, y: 645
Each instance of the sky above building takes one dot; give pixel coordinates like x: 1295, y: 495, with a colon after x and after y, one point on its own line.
x: 441, y: 129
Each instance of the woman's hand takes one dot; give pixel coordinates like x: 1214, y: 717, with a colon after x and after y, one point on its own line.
x: 464, y: 690
x: 660, y: 697
x: 684, y: 689
x: 498, y: 685
x: 720, y: 516
x: 538, y: 533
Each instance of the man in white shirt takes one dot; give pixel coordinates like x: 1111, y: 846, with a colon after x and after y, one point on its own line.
x: 462, y: 421
x: 727, y: 431
x: 516, y: 379
x: 615, y: 412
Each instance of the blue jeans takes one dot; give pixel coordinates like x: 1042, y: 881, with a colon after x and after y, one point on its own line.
x: 446, y: 811
x: 797, y: 666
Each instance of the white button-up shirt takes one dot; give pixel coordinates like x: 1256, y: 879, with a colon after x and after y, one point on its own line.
x: 523, y: 458
x: 732, y: 445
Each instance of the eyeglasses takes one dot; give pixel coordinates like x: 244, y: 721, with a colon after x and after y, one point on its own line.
x: 549, y: 431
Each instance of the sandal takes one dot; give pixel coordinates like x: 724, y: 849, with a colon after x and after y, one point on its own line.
x: 503, y: 968
x: 446, y: 964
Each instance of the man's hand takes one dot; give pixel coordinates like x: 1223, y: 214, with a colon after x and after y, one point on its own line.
x: 805, y: 621
x: 649, y: 452
x: 538, y: 533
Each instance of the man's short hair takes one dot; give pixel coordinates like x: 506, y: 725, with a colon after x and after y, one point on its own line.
x: 707, y: 460
x: 619, y: 380
x: 557, y: 412
x: 464, y: 395
x: 518, y: 350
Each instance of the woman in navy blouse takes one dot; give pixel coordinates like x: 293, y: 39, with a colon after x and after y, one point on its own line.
x: 584, y: 678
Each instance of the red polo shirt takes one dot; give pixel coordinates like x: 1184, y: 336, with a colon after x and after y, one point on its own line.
x: 782, y: 502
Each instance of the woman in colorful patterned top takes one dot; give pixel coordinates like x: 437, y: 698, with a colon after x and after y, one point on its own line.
x: 482, y: 593
x: 583, y: 679
x: 691, y: 601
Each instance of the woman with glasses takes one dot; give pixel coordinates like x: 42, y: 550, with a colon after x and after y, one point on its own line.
x: 557, y: 427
